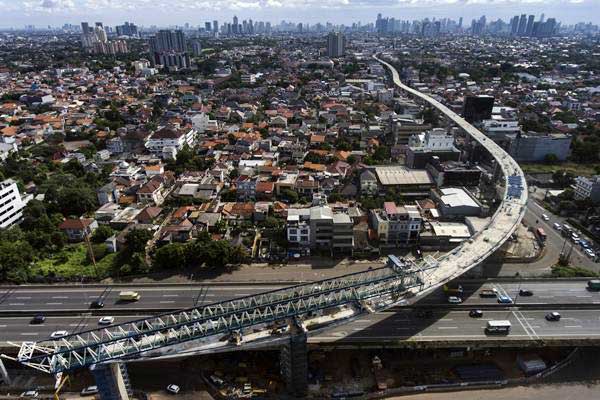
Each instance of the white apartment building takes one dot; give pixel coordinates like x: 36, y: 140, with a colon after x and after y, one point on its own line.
x: 11, y: 204
x: 588, y: 188
x: 434, y: 139
x: 170, y: 138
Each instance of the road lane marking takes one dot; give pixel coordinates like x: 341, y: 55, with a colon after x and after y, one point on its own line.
x: 23, y: 298
x: 166, y: 302
x: 573, y: 326
x: 82, y: 325
x: 29, y: 333
x: 170, y: 295
x: 16, y: 304
x: 448, y: 327
x: 2, y: 326
x: 54, y: 304
x: 60, y: 297
x: 446, y: 319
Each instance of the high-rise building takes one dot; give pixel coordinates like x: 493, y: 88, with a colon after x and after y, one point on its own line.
x: 11, y: 204
x: 215, y: 26
x: 168, y: 48
x: 478, y: 108
x: 207, y: 26
x: 522, y: 25
x: 514, y: 25
x: 85, y: 28
x: 234, y: 27
x: 127, y: 29
x: 336, y: 44
x: 529, y: 28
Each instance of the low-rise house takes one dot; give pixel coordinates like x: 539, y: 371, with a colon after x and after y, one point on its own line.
x: 78, y: 229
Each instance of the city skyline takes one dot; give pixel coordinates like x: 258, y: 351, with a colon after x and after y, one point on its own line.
x: 57, y: 12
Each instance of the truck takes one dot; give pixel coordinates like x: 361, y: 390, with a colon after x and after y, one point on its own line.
x: 594, y: 285
x: 129, y: 295
x: 453, y: 291
x: 498, y: 326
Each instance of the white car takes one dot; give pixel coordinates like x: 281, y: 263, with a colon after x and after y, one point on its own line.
x: 58, y: 334
x: 454, y: 300
x: 557, y: 226
x: 106, y: 320
x: 173, y: 389
x: 590, y: 253
x: 30, y: 394
x: 545, y: 217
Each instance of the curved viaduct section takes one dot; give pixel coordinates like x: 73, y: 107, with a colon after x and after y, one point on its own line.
x: 506, y: 218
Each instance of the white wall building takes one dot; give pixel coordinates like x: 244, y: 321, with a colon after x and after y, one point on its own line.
x: 162, y: 140
x: 435, y: 139
x: 11, y: 204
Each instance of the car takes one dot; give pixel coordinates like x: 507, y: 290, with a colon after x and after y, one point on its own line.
x: 557, y: 226
x: 90, y: 390
x: 590, y: 253
x: 504, y: 299
x: 173, y: 389
x: 545, y: 217
x: 106, y: 320
x: 216, y: 380
x: 280, y: 330
x: 58, y: 334
x: 454, y: 300
x: 525, y: 293
x: 97, y: 304
x: 475, y: 313
x: 38, y: 319
x: 30, y: 394
x: 553, y: 316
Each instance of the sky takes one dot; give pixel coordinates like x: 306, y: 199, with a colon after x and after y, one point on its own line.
x: 18, y: 13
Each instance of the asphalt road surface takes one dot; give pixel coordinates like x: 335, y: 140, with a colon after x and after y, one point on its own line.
x: 79, y: 298
x: 457, y: 325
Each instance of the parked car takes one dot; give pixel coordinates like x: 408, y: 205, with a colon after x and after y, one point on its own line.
x: 553, y: 316
x: 30, y: 394
x: 454, y: 300
x: 58, y: 334
x: 504, y: 299
x: 557, y: 226
x: 525, y: 293
x: 216, y: 380
x: 38, y: 319
x: 106, y: 320
x: 475, y: 313
x: 173, y: 389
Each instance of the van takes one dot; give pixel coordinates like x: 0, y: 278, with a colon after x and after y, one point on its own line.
x: 498, y: 327
x: 594, y: 284
x: 129, y: 296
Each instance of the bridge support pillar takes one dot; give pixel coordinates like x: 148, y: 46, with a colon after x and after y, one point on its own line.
x: 294, y: 365
x: 112, y: 380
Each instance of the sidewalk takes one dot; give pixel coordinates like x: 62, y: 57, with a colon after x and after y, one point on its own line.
x: 318, y: 269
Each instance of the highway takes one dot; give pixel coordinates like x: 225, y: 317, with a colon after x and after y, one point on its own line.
x: 456, y: 325
x: 548, y: 295
x: 78, y: 298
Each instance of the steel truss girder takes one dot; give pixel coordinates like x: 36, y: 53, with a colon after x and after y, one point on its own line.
x: 128, y: 339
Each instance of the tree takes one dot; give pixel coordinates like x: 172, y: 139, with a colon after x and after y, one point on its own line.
x: 170, y: 256
x: 551, y: 158
x: 290, y: 195
x: 102, y: 233
x: 137, y: 239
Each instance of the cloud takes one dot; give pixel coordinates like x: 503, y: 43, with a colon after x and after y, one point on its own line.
x: 57, y: 4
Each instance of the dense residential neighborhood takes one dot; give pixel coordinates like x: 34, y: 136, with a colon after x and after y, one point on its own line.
x: 276, y: 152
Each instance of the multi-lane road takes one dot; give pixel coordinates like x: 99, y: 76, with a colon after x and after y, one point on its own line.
x: 456, y: 325
x: 78, y: 298
x: 67, y: 308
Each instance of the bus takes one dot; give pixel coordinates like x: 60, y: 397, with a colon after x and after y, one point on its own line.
x: 541, y: 235
x: 498, y: 326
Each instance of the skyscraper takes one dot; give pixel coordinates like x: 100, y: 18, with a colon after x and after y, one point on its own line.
x: 215, y: 26
x: 529, y: 28
x: 522, y: 25
x: 207, y: 26
x: 514, y: 25
x: 336, y: 44
x: 169, y: 48
x: 234, y: 27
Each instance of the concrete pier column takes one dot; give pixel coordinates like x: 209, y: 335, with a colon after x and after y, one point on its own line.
x: 294, y: 365
x: 112, y: 380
